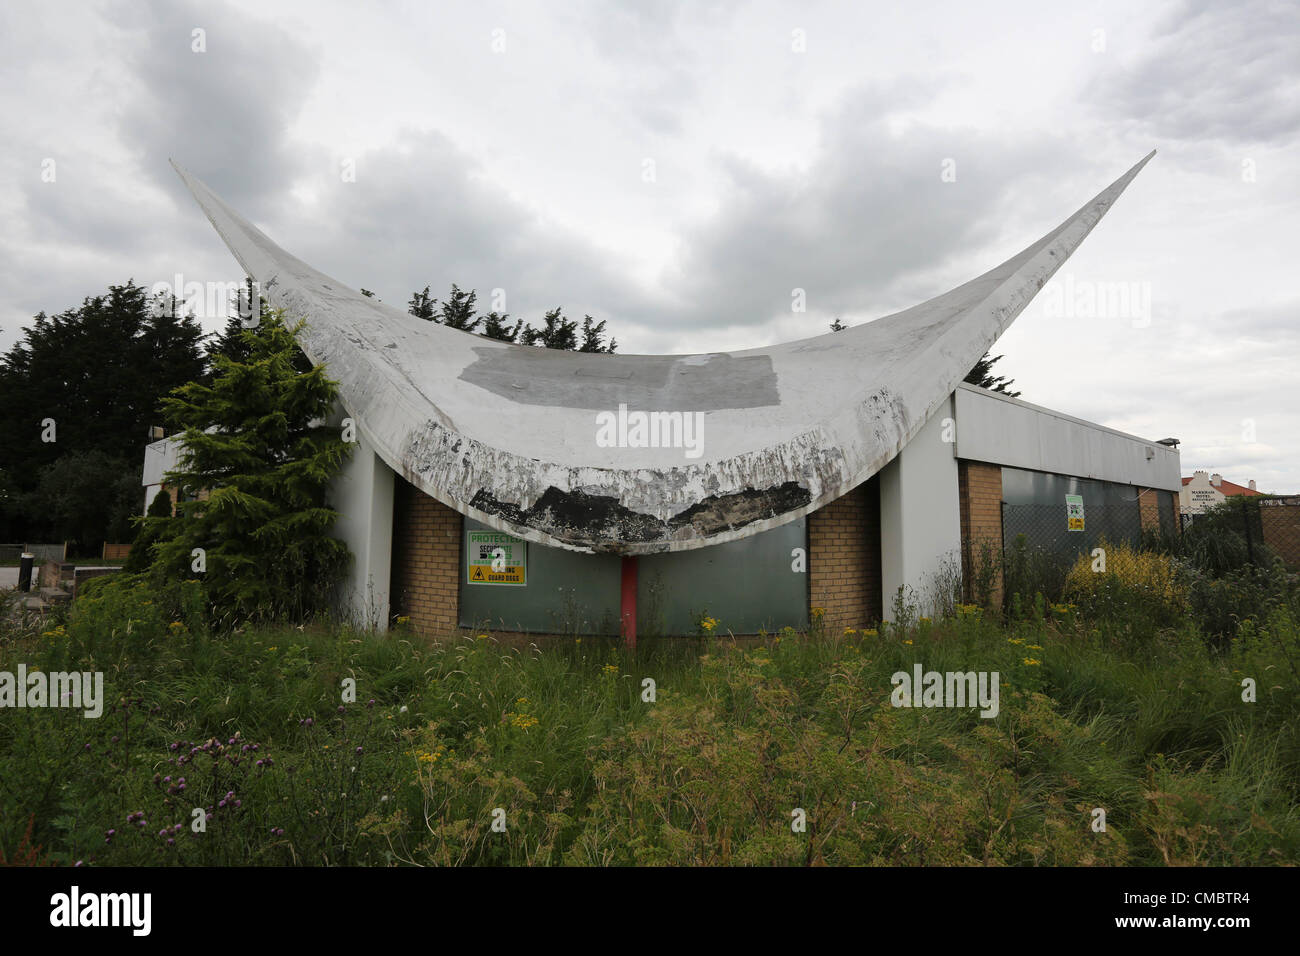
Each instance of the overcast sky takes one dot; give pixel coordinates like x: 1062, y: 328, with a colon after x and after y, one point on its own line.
x: 679, y: 168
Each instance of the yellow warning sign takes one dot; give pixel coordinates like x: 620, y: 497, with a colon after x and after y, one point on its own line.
x: 496, y: 558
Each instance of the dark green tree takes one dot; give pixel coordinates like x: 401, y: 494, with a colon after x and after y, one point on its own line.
x: 593, y: 337
x: 496, y: 325
x: 148, y: 532
x: 556, y: 332
x: 90, y: 497
x: 423, y: 305
x: 982, y: 375
x: 231, y: 341
x: 456, y: 312
x: 97, y: 372
x: 254, y: 468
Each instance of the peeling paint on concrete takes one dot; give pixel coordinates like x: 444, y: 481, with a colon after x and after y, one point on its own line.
x: 507, y: 433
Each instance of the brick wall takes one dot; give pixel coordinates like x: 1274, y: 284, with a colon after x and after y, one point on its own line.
x: 844, y: 559
x: 1149, y: 508
x: 1280, y: 523
x: 426, y: 560
x: 979, y: 491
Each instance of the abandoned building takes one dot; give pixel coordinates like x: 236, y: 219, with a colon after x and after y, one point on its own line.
x: 523, y: 489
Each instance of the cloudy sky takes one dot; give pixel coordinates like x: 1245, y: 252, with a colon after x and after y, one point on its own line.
x: 679, y: 168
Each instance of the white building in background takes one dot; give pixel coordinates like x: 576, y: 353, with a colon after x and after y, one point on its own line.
x: 1203, y: 490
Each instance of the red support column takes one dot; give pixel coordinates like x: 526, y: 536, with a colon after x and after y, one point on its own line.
x: 629, y: 601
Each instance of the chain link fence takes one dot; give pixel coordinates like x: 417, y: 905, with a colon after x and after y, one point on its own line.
x: 1039, y: 546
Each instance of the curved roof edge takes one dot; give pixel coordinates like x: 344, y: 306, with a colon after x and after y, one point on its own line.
x: 432, y: 401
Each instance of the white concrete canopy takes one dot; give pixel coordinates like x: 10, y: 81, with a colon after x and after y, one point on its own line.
x: 511, y: 435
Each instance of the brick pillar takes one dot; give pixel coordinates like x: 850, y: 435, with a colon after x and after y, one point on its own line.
x: 844, y: 559
x: 1149, y: 509
x: 426, y: 560
x: 979, y: 488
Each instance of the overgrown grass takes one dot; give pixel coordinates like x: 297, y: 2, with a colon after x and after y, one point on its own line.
x: 587, y: 769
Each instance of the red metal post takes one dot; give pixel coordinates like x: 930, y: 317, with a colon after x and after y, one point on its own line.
x: 629, y: 601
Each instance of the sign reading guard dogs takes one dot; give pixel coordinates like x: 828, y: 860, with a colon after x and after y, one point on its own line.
x: 1074, y: 512
x: 495, y: 558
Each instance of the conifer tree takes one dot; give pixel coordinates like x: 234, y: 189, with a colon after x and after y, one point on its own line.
x: 255, y: 464
x: 982, y: 375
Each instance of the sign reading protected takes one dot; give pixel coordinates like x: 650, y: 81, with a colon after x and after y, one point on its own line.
x: 492, y: 557
x: 1074, y: 512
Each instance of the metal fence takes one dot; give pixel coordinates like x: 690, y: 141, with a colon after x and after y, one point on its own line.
x: 1246, y: 530
x: 1041, y: 542
x: 43, y: 552
x: 1039, y: 546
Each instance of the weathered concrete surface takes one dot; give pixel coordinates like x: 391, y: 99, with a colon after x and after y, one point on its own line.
x: 508, y: 434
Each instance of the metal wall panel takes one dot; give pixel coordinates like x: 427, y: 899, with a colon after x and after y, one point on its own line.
x: 747, y: 585
x: 566, y: 593
x: 1034, y: 505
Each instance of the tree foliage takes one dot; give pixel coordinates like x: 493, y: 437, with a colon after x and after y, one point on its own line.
x: 458, y: 311
x: 982, y: 375
x: 255, y: 464
x: 98, y: 371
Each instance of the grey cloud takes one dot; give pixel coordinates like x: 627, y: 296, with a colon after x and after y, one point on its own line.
x: 225, y: 113
x: 1213, y: 71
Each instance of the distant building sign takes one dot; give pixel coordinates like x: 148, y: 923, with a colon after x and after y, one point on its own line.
x: 1074, y: 512
x: 495, y: 558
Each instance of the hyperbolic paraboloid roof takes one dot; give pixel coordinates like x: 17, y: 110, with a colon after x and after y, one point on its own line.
x: 532, y: 441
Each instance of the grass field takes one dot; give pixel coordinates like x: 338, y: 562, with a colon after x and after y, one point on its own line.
x: 786, y: 750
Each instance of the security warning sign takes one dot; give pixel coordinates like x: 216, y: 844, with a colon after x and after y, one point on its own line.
x: 1074, y: 512
x: 495, y: 558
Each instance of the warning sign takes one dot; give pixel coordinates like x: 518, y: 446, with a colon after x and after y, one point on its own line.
x: 495, y: 558
x: 1074, y: 512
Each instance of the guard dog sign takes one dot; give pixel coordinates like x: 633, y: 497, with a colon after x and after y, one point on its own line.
x: 1074, y: 512
x: 495, y: 558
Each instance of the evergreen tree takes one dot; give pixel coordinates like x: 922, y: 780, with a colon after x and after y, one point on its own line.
x: 982, y: 375
x: 557, y: 332
x: 98, y: 372
x: 256, y: 451
x: 456, y: 312
x: 497, y: 326
x: 593, y: 337
x: 231, y: 341
x: 422, y: 305
x: 148, y: 532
